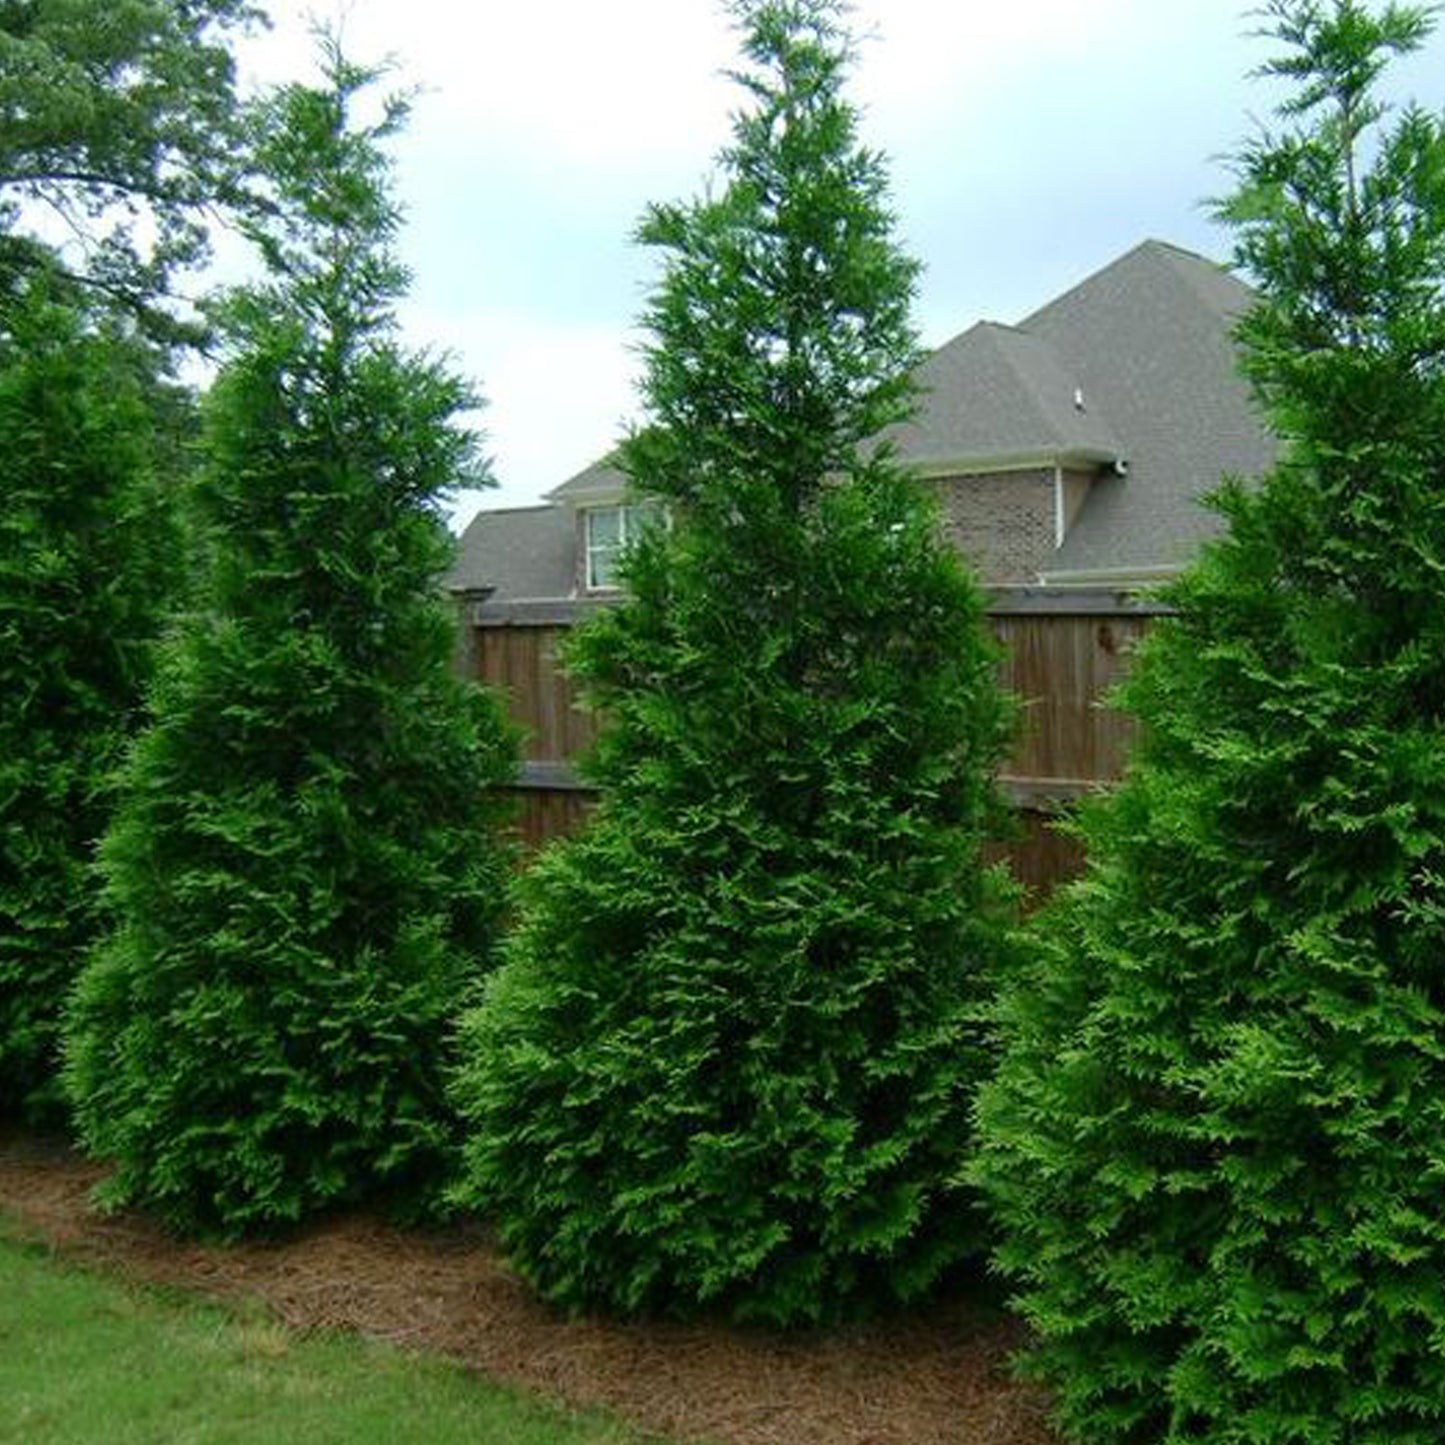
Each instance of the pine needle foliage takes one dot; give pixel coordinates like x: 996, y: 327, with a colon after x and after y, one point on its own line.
x: 1214, y: 1144
x: 728, y: 1062
x: 90, y: 553
x: 305, y: 861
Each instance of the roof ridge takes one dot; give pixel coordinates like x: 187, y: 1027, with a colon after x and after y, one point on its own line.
x: 998, y: 388
x: 1035, y: 316
x: 1150, y: 246
x: 1068, y: 373
x: 957, y: 338
x: 1022, y: 381
x: 1220, y: 271
x: 1026, y: 383
x: 1159, y: 243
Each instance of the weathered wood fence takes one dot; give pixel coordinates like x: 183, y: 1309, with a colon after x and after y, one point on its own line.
x: 1064, y: 649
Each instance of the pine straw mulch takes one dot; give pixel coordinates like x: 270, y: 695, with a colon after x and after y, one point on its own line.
x: 938, y: 1379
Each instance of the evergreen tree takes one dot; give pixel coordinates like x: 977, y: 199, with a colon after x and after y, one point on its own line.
x: 1214, y: 1144
x: 90, y: 560
x: 728, y: 1062
x: 120, y: 121
x: 304, y: 862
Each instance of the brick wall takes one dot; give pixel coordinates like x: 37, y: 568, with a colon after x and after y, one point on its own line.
x: 1002, y: 522
x: 1006, y: 523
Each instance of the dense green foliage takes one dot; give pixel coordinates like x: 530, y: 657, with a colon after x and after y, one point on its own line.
x: 118, y: 118
x: 1215, y: 1144
x: 118, y: 128
x: 728, y: 1062
x: 89, y: 561
x: 304, y: 861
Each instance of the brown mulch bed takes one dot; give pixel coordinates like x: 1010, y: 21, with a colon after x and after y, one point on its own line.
x: 938, y: 1378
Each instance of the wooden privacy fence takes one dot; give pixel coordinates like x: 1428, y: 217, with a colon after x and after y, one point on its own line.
x: 1064, y: 649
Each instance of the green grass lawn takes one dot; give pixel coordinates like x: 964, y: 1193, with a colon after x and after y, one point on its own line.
x: 84, y: 1359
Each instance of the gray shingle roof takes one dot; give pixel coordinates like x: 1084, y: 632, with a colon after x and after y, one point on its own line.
x: 1151, y: 336
x: 999, y: 393
x: 602, y: 478
x: 524, y: 554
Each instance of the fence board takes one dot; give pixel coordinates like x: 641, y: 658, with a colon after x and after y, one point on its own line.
x: 1060, y: 668
x: 544, y: 815
x: 1063, y: 652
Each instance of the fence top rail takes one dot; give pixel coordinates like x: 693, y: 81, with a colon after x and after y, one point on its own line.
x: 1034, y: 601
x: 1040, y: 795
x: 562, y: 612
x: 1002, y: 602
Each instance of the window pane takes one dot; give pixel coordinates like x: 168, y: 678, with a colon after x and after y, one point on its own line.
x: 604, y: 526
x: 600, y: 567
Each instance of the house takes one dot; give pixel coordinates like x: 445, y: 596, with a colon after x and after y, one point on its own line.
x: 1069, y: 454
x: 1072, y: 449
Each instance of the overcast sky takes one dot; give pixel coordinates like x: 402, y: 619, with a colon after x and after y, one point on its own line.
x: 1030, y: 143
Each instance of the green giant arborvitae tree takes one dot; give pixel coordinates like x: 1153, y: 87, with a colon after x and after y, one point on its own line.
x: 118, y: 130
x: 1215, y: 1144
x: 304, y: 862
x: 728, y: 1062
x: 90, y: 561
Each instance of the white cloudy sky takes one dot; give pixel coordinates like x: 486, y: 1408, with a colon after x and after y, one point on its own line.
x: 1030, y: 143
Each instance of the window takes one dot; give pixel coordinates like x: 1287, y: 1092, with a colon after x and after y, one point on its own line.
x: 609, y: 531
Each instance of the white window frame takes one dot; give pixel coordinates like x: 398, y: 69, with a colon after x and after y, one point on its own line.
x: 629, y: 526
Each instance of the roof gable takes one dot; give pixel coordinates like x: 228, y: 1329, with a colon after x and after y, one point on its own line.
x: 603, y: 481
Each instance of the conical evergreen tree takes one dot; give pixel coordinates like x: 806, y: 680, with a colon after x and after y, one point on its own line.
x: 90, y: 564
x: 122, y: 122
x: 728, y: 1062
x: 304, y: 862
x: 1214, y: 1146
